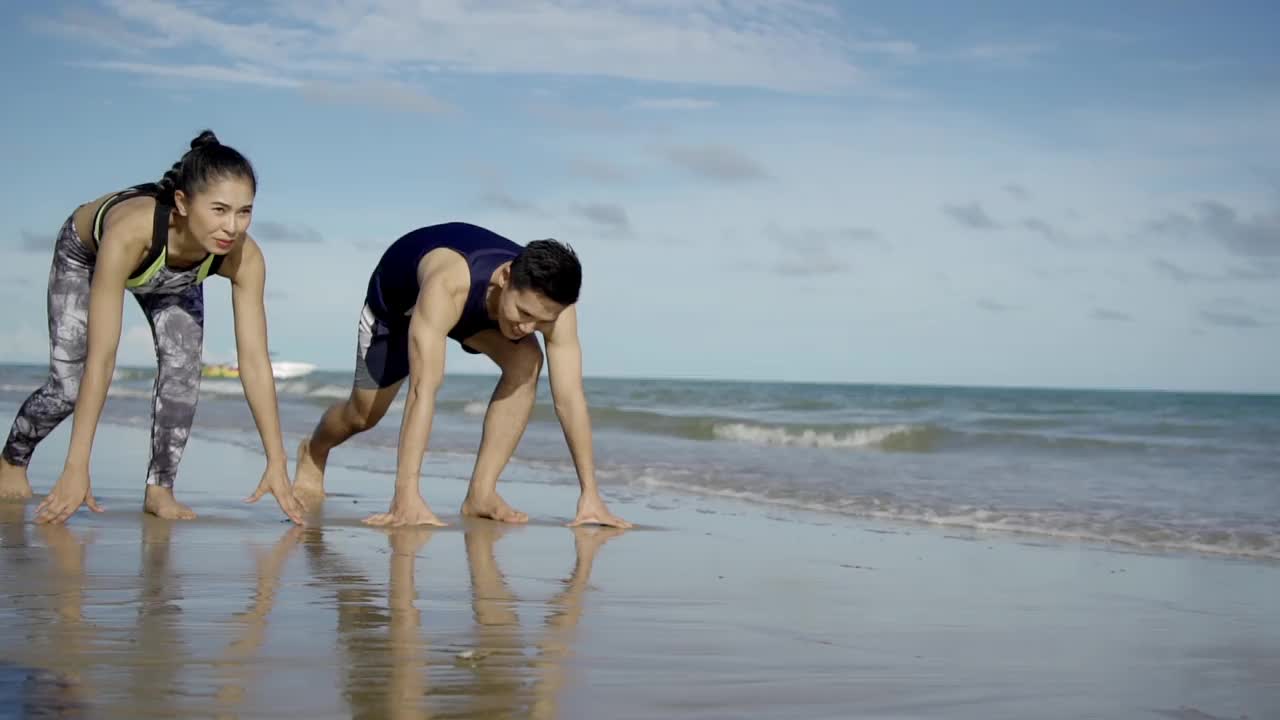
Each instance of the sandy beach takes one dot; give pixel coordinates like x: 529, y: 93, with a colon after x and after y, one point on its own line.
x: 707, y: 609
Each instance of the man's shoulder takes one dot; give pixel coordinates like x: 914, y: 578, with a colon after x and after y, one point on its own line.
x: 446, y: 267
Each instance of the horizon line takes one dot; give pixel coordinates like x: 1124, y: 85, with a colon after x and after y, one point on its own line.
x: 847, y: 383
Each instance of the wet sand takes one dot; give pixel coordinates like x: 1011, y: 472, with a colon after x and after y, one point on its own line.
x: 708, y: 609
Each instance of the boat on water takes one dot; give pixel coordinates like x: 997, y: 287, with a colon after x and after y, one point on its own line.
x: 280, y: 370
x: 220, y: 370
x: 289, y: 369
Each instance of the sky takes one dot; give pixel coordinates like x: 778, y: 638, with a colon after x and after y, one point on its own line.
x: 985, y: 193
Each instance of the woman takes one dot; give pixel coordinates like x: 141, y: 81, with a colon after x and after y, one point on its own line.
x: 159, y: 241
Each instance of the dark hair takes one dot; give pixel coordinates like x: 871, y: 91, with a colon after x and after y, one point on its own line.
x: 207, y: 161
x: 550, y: 268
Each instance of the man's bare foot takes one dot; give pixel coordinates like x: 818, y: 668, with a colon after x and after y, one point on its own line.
x: 161, y: 503
x: 492, y: 507
x: 408, y: 509
x: 13, y: 482
x: 308, y: 476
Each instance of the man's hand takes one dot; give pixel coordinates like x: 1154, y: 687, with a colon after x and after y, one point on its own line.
x: 276, y: 481
x: 592, y: 511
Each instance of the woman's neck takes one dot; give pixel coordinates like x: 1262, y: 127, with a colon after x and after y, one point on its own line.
x: 182, y: 246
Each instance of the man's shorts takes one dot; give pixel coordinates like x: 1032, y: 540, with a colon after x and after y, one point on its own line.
x: 382, y: 352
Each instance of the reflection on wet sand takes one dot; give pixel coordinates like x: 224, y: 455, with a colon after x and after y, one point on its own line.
x: 147, y: 650
x: 159, y: 653
x: 386, y: 658
x: 239, y: 664
x: 508, y: 682
x: 566, y: 610
x: 47, y: 676
x: 383, y: 659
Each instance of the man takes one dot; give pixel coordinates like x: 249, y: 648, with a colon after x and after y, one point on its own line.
x: 490, y: 295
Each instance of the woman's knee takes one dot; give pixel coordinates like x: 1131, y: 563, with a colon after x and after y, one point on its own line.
x: 60, y: 393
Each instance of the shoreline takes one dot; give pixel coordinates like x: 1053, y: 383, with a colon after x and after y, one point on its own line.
x: 454, y: 464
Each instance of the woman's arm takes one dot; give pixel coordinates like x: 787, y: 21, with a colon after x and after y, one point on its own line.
x: 248, y: 273
x: 247, y: 270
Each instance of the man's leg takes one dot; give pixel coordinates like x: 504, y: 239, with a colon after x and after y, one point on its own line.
x: 382, y: 362
x: 361, y: 411
x: 177, y: 327
x: 504, y: 421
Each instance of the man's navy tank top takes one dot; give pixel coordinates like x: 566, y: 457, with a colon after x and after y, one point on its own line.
x: 393, y: 287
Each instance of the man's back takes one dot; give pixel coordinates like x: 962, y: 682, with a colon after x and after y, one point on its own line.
x: 393, y: 285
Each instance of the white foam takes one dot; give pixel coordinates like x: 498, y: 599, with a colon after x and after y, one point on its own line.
x: 780, y: 436
x: 221, y: 387
x: 333, y: 392
x: 1259, y: 544
x: 475, y: 407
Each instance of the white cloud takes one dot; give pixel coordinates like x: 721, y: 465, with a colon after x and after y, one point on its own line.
x: 1004, y: 51
x: 608, y: 215
x: 674, y: 103
x: 597, y: 170
x: 387, y: 94
x: 241, y: 74
x: 716, y: 162
x: 784, y: 45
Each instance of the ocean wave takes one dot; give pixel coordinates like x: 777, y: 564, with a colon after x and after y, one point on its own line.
x: 1144, y: 534
x: 1057, y: 440
x: 885, y: 437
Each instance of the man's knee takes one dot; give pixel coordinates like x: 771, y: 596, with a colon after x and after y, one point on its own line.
x: 360, y: 417
x: 523, y: 364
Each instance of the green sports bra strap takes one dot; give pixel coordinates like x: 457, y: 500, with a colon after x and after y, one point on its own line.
x: 159, y: 239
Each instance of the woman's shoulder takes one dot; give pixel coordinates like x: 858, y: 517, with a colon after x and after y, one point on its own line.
x: 126, y: 217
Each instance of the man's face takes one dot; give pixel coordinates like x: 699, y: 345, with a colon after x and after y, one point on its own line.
x: 521, y: 311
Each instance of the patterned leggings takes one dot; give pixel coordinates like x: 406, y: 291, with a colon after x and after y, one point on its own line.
x: 177, y: 327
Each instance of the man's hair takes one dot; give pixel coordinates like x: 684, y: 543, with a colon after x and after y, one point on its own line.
x: 550, y: 268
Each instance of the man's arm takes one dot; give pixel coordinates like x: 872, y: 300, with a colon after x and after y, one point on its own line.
x: 564, y: 360
x: 437, y: 310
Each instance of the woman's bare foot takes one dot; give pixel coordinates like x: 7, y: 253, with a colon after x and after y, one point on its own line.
x: 161, y: 503
x: 409, y: 509
x: 13, y: 482
x: 492, y: 507
x: 308, y: 476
